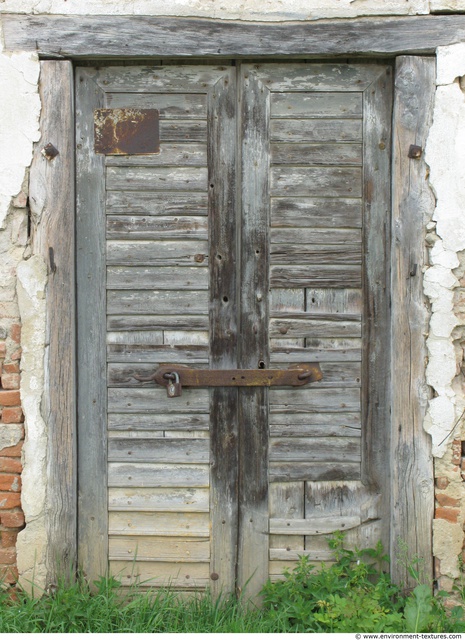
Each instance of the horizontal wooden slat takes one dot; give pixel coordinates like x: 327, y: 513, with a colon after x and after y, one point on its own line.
x: 323, y: 236
x: 314, y: 431
x: 320, y: 350
x: 179, y: 130
x: 158, y: 421
x: 185, y: 154
x: 157, y: 278
x: 185, y: 450
x: 169, y: 302
x: 325, y: 154
x: 190, y: 575
x: 173, y: 500
x: 311, y: 399
x: 309, y: 104
x: 156, y: 178
x: 293, y: 555
x: 313, y: 471
x: 301, y: 325
x: 339, y: 421
x: 301, y: 254
x: 316, y: 77
x: 167, y: 78
x: 314, y: 526
x: 153, y: 203
x: 338, y: 276
x: 169, y: 105
x: 163, y: 523
x: 182, y: 354
x: 134, y: 337
x: 160, y: 549
x: 183, y: 252
x: 341, y: 374
x: 315, y: 181
x: 334, y: 301
x: 314, y: 449
x: 142, y: 474
x: 156, y: 399
x: 176, y: 337
x: 317, y: 130
x: 156, y: 228
x: 316, y: 212
x: 152, y: 323
x: 141, y: 36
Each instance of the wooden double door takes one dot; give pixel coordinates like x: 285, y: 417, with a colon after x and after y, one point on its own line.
x: 256, y: 237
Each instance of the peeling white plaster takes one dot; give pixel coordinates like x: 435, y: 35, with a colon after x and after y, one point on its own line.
x: 32, y: 279
x: 19, y: 124
x: 445, y: 155
x: 263, y: 10
x: 457, y: 6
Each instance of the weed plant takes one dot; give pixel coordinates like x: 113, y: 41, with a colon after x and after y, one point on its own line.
x: 352, y: 594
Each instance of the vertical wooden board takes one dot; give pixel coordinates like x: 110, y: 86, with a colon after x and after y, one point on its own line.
x: 90, y: 276
x: 254, y: 314
x: 375, y: 279
x: 52, y: 202
x: 223, y: 330
x: 413, y: 204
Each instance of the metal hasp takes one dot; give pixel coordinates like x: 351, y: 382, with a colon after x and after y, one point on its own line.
x: 297, y: 375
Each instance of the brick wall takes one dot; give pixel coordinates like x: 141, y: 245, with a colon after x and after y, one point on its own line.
x: 11, y: 441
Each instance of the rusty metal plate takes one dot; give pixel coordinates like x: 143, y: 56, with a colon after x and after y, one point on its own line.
x: 121, y: 132
x: 295, y: 376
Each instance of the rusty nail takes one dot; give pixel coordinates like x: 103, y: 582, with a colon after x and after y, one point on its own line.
x: 415, y: 151
x: 214, y: 576
x: 49, y: 151
x: 199, y: 257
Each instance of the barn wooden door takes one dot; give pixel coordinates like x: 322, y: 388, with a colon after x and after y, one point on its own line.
x: 256, y: 237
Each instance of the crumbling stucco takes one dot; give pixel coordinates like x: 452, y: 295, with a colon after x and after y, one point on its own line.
x: 32, y: 279
x: 268, y: 10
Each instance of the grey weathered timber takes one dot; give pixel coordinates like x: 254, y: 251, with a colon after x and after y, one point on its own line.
x: 149, y: 474
x: 316, y: 212
x: 313, y: 526
x: 314, y: 471
x: 170, y: 105
x: 306, y: 324
x: 146, y: 203
x: 161, y: 500
x: 156, y: 399
x: 316, y: 181
x: 326, y: 350
x: 192, y: 450
x: 167, y: 522
x: 309, y: 449
x: 222, y: 180
x: 170, y: 302
x: 376, y: 326
x: 318, y: 254
x: 331, y: 153
x: 286, y: 500
x: 253, y: 403
x: 313, y: 399
x: 150, y: 322
x: 316, y: 130
x: 156, y: 227
x: 193, y: 154
x: 190, y: 253
x: 145, y: 36
x: 316, y: 236
x: 324, y: 423
x: 51, y: 199
x: 307, y: 104
x: 159, y: 549
x: 413, y: 203
x: 182, y: 354
x: 146, y: 422
x: 164, y: 178
x: 90, y: 281
x: 157, y: 278
x: 337, y: 276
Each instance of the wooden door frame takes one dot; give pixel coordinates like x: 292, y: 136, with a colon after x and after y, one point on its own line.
x: 70, y: 40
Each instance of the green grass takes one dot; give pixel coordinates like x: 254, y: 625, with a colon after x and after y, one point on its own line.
x: 351, y: 595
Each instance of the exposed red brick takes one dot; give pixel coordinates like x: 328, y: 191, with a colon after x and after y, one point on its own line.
x: 11, y: 465
x: 15, y: 333
x: 10, y: 482
x: 446, y: 501
x: 2, y: 349
x: 12, y: 415
x: 9, y: 538
x: 16, y: 355
x: 442, y: 483
x: 447, y: 513
x: 10, y: 398
x: 9, y: 575
x: 11, y: 367
x: 10, y: 380
x: 9, y: 500
x: 12, y: 520
x: 7, y: 556
x: 13, y: 452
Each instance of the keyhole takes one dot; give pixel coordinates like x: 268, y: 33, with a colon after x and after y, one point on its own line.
x: 261, y: 364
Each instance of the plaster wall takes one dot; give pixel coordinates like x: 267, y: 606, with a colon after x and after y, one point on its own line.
x: 24, y: 277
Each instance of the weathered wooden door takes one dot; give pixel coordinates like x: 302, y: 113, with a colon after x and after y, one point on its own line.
x: 258, y: 236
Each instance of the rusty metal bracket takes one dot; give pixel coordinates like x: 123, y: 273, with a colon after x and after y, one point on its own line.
x: 297, y: 375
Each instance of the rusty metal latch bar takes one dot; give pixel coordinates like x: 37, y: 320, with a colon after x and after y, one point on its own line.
x: 183, y: 376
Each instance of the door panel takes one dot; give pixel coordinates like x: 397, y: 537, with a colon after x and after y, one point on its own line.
x: 256, y: 237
